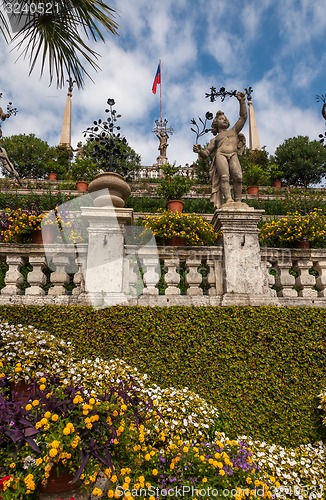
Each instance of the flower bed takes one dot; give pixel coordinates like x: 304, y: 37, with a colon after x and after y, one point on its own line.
x: 293, y: 228
x: 96, y: 417
x: 194, y: 229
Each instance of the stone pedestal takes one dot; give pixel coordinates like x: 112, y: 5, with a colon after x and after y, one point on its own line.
x: 245, y: 282
x: 105, y: 271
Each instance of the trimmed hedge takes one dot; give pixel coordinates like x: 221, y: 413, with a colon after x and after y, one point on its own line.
x: 263, y: 367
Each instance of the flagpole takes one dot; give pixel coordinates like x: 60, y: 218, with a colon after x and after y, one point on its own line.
x: 160, y: 63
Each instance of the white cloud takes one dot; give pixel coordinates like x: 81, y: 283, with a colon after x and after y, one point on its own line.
x: 276, y: 47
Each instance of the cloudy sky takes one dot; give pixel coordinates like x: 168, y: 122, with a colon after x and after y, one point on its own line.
x: 275, y: 46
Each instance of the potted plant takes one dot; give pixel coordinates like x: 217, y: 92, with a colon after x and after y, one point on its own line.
x: 33, y: 226
x: 64, y: 436
x: 173, y: 186
x: 83, y: 170
x: 254, y: 176
x: 20, y: 225
x: 276, y: 175
x: 58, y: 166
x: 114, y: 157
x: 295, y: 230
x: 169, y: 227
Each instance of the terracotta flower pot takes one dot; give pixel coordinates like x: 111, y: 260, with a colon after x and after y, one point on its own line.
x: 37, y: 237
x: 52, y: 176
x: 59, y: 481
x: 175, y: 205
x: 253, y: 190
x: 81, y: 186
x: 176, y: 241
x: 45, y: 235
x: 112, y: 190
x: 277, y: 184
x: 302, y: 243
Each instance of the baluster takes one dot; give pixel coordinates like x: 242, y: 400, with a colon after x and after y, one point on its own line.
x: 320, y: 267
x: 284, y: 281
x: 172, y: 277
x: 79, y: 278
x: 270, y: 277
x: 305, y: 281
x: 135, y: 282
x: 36, y: 278
x: 60, y: 277
x: 78, y: 281
x: 151, y: 275
x: 215, y: 277
x: 193, y: 276
x: 14, y: 278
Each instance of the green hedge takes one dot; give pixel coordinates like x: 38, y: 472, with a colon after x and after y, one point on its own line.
x: 262, y: 367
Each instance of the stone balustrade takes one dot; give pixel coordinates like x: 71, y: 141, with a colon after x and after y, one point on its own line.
x: 155, y: 172
x: 297, y: 275
x: 29, y: 276
x: 184, y: 275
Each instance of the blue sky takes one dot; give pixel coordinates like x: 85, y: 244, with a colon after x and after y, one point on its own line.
x: 275, y: 46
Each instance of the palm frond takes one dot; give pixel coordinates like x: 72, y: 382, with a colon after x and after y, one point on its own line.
x: 55, y: 39
x: 4, y: 23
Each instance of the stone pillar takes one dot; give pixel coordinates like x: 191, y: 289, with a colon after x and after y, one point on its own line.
x: 244, y: 280
x: 105, y: 270
x: 254, y: 142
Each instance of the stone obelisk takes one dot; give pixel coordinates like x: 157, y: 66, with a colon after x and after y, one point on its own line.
x: 254, y: 142
x: 65, y: 139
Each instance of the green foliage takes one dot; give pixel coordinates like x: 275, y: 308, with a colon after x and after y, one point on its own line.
x: 61, y: 161
x: 297, y: 200
x: 304, y: 201
x: 151, y: 204
x: 255, y: 175
x: 122, y: 159
x: 275, y: 172
x: 303, y: 162
x: 110, y: 151
x: 59, y: 40
x: 254, y: 157
x: 29, y: 155
x: 264, y: 380
x: 258, y: 169
x: 46, y: 201
x: 201, y: 169
x: 271, y: 207
x: 172, y: 185
x: 145, y: 203
x: 83, y: 169
x: 198, y: 205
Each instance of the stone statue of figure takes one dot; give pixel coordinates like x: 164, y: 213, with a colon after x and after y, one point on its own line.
x: 163, y: 137
x: 3, y: 115
x: 4, y: 159
x: 226, y: 145
x: 79, y: 150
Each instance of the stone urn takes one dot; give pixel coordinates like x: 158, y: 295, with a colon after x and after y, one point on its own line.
x: 112, y: 190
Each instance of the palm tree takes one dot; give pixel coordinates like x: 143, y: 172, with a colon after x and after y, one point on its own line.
x: 55, y: 33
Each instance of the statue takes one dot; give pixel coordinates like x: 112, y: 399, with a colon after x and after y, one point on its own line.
x: 4, y: 159
x: 163, y: 137
x: 79, y: 150
x: 226, y: 145
x: 3, y: 115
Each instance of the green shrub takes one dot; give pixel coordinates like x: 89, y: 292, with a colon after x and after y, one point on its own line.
x: 262, y: 367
